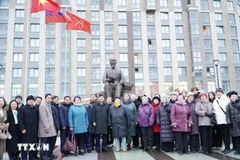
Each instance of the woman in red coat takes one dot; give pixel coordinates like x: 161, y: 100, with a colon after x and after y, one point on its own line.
x: 156, y: 128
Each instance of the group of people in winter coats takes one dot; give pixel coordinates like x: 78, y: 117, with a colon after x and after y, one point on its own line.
x: 199, y: 120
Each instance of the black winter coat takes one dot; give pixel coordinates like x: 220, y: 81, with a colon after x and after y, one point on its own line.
x: 164, y: 121
x: 233, y: 118
x: 28, y: 120
x: 194, y: 128
x: 56, y: 118
x: 119, y: 120
x: 63, y: 114
x: 100, y: 117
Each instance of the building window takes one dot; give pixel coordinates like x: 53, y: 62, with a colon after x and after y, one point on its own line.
x: 233, y: 31
x: 34, y: 57
x: 180, y: 43
x: 17, y: 57
x: 210, y: 72
x: 50, y: 44
x: 206, y: 31
x: 50, y: 29
x: 33, y: 72
x: 34, y: 42
x: 137, y: 44
x: 168, y: 87
x: 150, y: 17
x: 95, y: 16
x: 226, y: 86
x: 125, y: 71
x: 81, y: 88
x: 94, y: 3
x: 178, y: 16
x: 49, y: 88
x: 108, y: 16
x: 50, y: 74
x: 109, y: 44
x: 138, y: 59
x: 108, y: 4
x: 16, y: 89
x: 152, y: 58
x: 231, y: 18
x: 122, y: 3
x: 81, y: 43
x: 81, y: 3
x: 221, y: 43
x: 95, y: 58
x: 109, y: 30
x: 164, y: 15
x: 35, y: 28
x: 224, y: 70
x: 182, y: 71
x: 205, y: 18
x: 3, y: 28
x: 19, y: 27
x: 18, y: 42
x: 177, y: 3
x: 208, y: 44
x: 218, y: 17
x: 139, y: 73
x: 135, y: 4
x: 2, y: 90
x: 151, y: 44
x: 19, y: 13
x: 235, y: 45
x: 230, y: 5
x: 50, y: 59
x: 167, y: 57
x: 217, y: 3
x: 123, y: 43
x: 223, y: 57
x: 153, y: 73
x: 211, y: 86
x: 181, y: 57
x: 20, y: 1
x: 3, y: 43
x: 179, y: 29
x: 96, y: 87
x: 35, y: 15
x: 197, y: 57
x: 108, y: 56
x: 122, y: 15
x: 167, y: 71
x: 136, y: 16
x: 220, y: 29
x: 81, y: 57
x: 237, y: 71
x: 165, y: 29
x: 96, y: 74
x: 151, y: 31
x: 137, y: 31
x: 81, y: 14
x: 236, y: 58
x: 17, y: 72
x: 163, y: 3
x: 4, y: 14
x: 81, y: 72
x: 204, y: 4
x: 122, y: 29
x: 209, y: 58
x: 95, y: 44
x: 123, y: 57
x: 165, y: 43
x: 95, y: 30
x: 33, y: 89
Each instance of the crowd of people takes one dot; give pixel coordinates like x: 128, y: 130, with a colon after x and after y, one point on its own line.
x: 185, y: 122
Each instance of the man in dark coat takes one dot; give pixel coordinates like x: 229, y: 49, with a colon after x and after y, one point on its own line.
x: 37, y: 103
x: 100, y: 122
x: 63, y: 115
x: 28, y: 125
x: 138, y: 102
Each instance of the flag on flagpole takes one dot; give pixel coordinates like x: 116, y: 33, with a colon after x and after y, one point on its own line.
x: 45, y: 5
x: 56, y: 18
x: 78, y: 23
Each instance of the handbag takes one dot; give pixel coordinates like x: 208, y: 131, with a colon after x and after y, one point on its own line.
x: 213, y: 118
x: 3, y: 134
x: 70, y: 145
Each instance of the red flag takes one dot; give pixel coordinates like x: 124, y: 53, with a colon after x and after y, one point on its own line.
x: 45, y: 5
x: 78, y: 23
x: 56, y: 18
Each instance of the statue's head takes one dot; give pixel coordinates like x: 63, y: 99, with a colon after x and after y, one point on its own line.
x: 113, y: 62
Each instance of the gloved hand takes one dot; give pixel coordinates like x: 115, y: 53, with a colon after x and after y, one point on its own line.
x: 210, y: 115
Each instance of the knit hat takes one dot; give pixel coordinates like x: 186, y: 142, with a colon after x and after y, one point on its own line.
x: 202, y: 94
x: 232, y: 93
x: 18, y: 97
x: 30, y: 97
x: 173, y: 93
x: 219, y: 90
x: 156, y: 97
x: 190, y: 94
x: 76, y: 97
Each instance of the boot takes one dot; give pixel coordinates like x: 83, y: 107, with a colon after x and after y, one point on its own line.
x: 129, y: 147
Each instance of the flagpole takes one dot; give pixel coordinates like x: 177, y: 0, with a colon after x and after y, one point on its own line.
x: 65, y: 62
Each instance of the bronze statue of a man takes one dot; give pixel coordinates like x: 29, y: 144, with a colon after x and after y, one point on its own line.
x: 113, y: 78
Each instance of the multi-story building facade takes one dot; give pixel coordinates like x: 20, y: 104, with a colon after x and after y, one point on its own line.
x: 159, y: 44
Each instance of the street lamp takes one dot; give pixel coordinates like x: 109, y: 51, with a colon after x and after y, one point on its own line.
x: 216, y: 63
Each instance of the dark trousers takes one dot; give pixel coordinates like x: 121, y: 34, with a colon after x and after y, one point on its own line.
x: 182, y: 141
x: 194, y: 143
x: 13, y: 155
x: 88, y: 142
x: 234, y: 142
x: 168, y: 146
x: 104, y: 141
x: 237, y: 142
x: 225, y: 133
x: 36, y: 152
x: 206, y: 133
x: 51, y: 142
x: 147, y: 135
x: 24, y: 155
x: 63, y: 136
x: 110, y: 136
x: 80, y: 140
x: 217, y: 138
x: 156, y: 139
